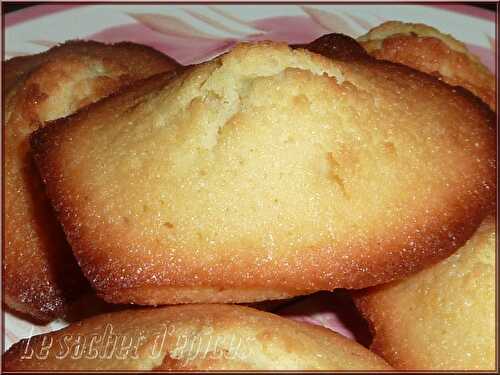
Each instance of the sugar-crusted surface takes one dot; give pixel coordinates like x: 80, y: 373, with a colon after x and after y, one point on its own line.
x: 427, y: 49
x: 40, y: 274
x: 442, y: 318
x: 193, y: 337
x: 267, y: 173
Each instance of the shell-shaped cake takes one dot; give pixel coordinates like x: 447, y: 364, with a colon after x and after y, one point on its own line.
x: 442, y: 318
x: 427, y: 49
x: 266, y: 173
x: 190, y: 337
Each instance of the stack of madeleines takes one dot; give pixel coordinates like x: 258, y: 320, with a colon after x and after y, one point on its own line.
x: 266, y: 173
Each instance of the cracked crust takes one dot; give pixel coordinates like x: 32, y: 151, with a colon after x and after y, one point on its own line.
x: 427, y: 49
x: 193, y: 337
x: 269, y: 173
x: 40, y: 274
x: 442, y: 318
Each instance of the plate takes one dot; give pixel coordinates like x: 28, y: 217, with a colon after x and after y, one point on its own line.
x: 194, y: 33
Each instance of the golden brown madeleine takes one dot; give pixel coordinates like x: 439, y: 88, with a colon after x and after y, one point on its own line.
x: 427, y: 49
x: 442, y: 318
x: 40, y: 274
x: 267, y: 173
x: 191, y: 337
